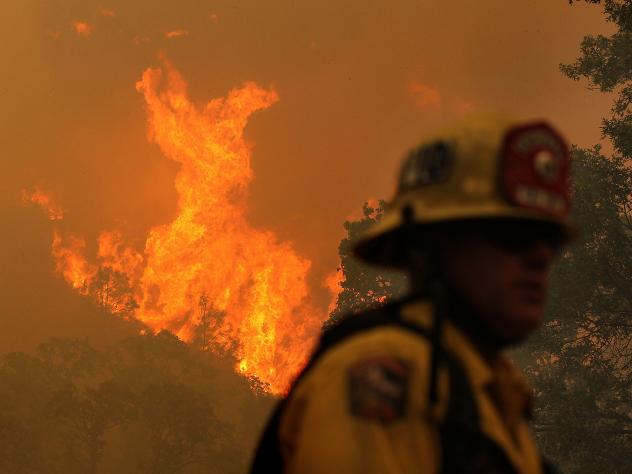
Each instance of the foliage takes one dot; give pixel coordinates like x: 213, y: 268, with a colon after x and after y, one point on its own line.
x: 149, y: 404
x: 363, y: 286
x: 580, y: 364
x: 606, y: 62
x: 112, y: 291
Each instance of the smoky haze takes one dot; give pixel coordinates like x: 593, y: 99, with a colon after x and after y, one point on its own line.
x: 358, y: 84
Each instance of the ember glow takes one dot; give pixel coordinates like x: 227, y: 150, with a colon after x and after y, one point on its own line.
x: 82, y: 28
x: 45, y: 201
x: 207, y: 270
x: 107, y: 12
x: 333, y: 282
x: 425, y: 95
x: 176, y: 33
x: 71, y: 263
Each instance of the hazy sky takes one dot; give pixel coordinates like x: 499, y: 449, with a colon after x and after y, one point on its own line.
x: 359, y: 83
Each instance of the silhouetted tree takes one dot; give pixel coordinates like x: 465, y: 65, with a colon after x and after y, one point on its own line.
x: 112, y: 291
x: 25, y: 386
x: 209, y: 323
x: 183, y: 430
x: 581, y: 364
x: 150, y: 403
x: 84, y: 416
x: 605, y: 63
x: 363, y: 285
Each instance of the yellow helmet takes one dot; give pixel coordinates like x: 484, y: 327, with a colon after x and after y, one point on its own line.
x: 486, y: 166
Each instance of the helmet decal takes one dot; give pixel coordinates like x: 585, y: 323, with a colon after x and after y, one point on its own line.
x: 535, y: 166
x: 428, y: 164
x: 547, y: 164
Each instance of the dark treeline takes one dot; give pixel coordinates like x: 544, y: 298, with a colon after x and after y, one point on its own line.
x: 149, y: 404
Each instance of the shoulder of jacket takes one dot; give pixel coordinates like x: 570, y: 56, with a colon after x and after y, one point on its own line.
x: 380, y: 344
x: 387, y: 367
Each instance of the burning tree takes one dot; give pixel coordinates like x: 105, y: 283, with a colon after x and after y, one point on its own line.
x: 208, y: 276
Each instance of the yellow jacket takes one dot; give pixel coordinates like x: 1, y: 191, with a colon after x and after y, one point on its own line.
x: 363, y: 407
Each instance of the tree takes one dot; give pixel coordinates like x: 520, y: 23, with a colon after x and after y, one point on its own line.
x: 184, y: 431
x: 209, y: 322
x: 606, y: 62
x: 112, y: 291
x: 150, y: 403
x: 580, y: 363
x: 84, y: 416
x: 364, y: 286
x: 25, y: 384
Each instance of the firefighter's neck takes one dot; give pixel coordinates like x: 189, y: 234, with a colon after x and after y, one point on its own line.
x: 454, y: 308
x: 485, y: 342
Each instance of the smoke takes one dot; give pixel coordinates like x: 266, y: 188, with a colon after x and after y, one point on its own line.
x: 72, y: 119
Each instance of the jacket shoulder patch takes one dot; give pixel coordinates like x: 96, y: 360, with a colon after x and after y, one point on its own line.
x: 378, y: 388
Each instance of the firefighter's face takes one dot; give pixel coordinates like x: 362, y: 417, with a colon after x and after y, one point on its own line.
x: 501, y: 269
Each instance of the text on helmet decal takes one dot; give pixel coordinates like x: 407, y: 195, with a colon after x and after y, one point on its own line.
x: 541, y: 198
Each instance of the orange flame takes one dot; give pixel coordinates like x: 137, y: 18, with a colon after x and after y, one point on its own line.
x: 333, y: 282
x: 425, y: 95
x: 82, y: 28
x: 176, y: 33
x: 464, y: 106
x: 257, y: 283
x: 107, y: 12
x: 140, y: 39
x: 71, y: 263
x: 44, y: 200
x: 208, y: 266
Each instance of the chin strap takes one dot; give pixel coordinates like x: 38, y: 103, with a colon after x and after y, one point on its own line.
x: 426, y: 281
x: 437, y: 296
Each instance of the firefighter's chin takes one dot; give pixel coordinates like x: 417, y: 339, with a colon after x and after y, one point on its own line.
x: 516, y: 322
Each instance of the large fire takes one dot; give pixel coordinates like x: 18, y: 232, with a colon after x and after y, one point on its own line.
x: 208, y: 275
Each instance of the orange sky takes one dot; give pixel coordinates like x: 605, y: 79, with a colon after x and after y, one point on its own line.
x: 358, y: 82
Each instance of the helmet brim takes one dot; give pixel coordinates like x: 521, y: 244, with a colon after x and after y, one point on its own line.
x: 387, y: 242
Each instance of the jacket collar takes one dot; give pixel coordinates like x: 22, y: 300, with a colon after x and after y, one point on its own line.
x: 483, y: 376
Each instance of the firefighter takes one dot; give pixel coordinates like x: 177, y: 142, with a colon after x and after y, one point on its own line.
x: 422, y: 385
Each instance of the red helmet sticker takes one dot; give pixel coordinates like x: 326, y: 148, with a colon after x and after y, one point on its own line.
x: 535, y: 168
